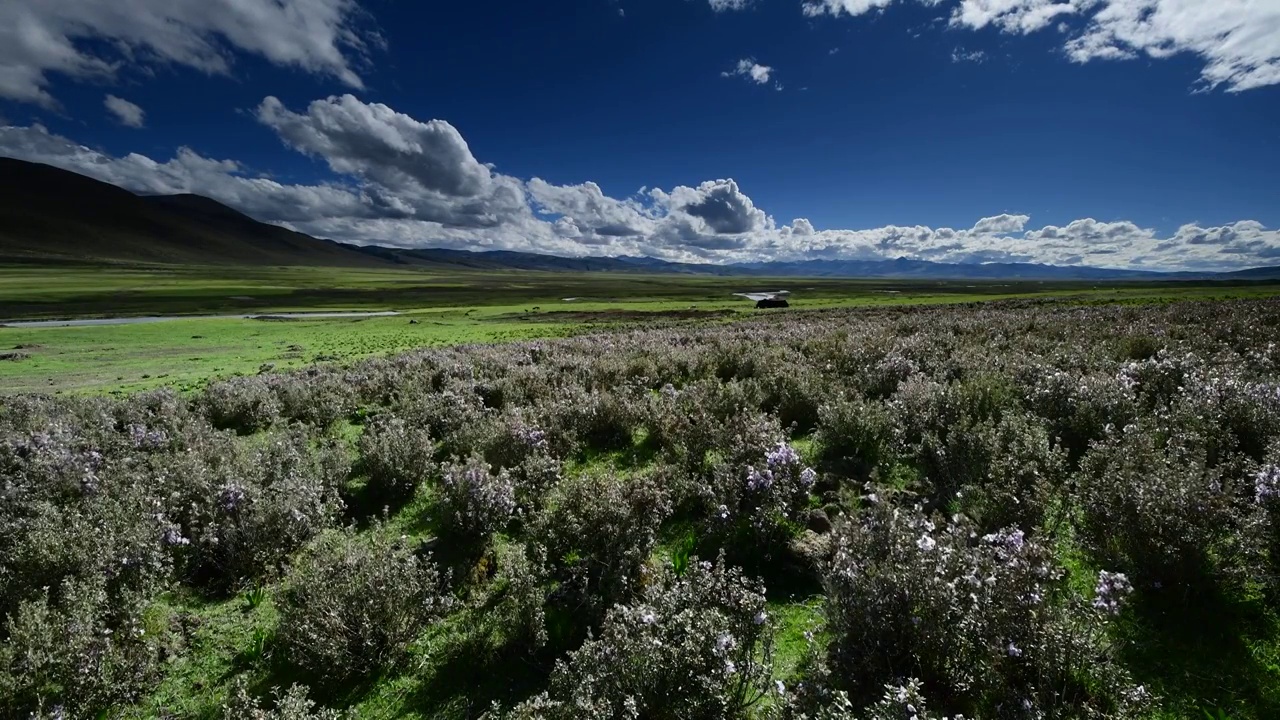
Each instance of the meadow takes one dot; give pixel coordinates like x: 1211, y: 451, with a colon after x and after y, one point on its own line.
x: 1028, y: 508
x: 438, y: 308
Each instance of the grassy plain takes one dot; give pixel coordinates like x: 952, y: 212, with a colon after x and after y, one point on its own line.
x: 449, y: 307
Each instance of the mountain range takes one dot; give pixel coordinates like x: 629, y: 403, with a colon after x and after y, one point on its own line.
x: 52, y: 215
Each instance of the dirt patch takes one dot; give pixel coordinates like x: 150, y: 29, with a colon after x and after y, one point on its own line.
x: 614, y: 316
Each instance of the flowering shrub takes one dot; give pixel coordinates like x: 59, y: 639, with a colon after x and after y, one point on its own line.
x: 980, y: 621
x: 397, y: 457
x: 1142, y: 440
x: 475, y: 502
x: 244, y: 523
x: 756, y: 508
x: 1159, y: 515
x: 451, y: 417
x: 74, y: 653
x: 245, y: 405
x: 697, y: 647
x: 999, y: 473
x: 352, y: 605
x: 314, y: 397
x: 292, y: 704
x: 598, y: 532
x: 854, y: 437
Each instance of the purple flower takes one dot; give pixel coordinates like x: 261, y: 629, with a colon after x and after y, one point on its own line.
x: 1110, y: 592
x: 231, y: 497
x: 782, y: 455
x: 1266, y: 483
x: 759, y: 479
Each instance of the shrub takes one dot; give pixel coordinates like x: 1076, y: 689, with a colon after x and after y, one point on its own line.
x: 697, y: 647
x: 1026, y: 471
x: 1081, y: 408
x: 352, y: 604
x: 292, y: 704
x: 1000, y: 473
x: 518, y: 597
x: 397, y: 457
x: 1159, y: 514
x: 315, y: 396
x: 756, y: 508
x: 855, y: 437
x: 76, y: 654
x: 475, y: 502
x: 115, y: 533
x: 246, y: 522
x: 452, y: 417
x: 794, y: 393
x: 984, y: 623
x: 598, y: 532
x: 245, y: 405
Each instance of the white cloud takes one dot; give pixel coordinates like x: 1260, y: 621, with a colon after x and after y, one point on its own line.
x: 90, y: 39
x: 587, y: 209
x: 1020, y: 16
x: 725, y: 5
x: 373, y: 141
x: 750, y: 69
x: 814, y: 8
x: 1238, y: 41
x: 129, y: 114
x: 419, y: 169
x: 1001, y: 224
x: 416, y: 184
x: 960, y: 55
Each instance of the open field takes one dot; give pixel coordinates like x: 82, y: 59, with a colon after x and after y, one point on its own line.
x: 1071, y: 508
x: 459, y: 308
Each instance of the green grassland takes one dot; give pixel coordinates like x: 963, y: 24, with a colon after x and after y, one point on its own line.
x: 449, y: 308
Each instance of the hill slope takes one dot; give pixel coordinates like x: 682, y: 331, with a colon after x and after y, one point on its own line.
x: 51, y: 214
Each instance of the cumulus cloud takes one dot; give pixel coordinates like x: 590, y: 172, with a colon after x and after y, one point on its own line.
x: 587, y: 210
x: 373, y: 141
x: 720, y: 205
x: 404, y: 182
x: 750, y: 69
x: 1238, y: 41
x: 95, y: 40
x: 1004, y: 223
x: 129, y: 114
x: 413, y: 168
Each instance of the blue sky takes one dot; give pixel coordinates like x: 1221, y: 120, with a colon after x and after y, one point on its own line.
x: 1102, y: 132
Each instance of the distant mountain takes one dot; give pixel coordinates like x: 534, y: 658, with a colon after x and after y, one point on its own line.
x: 1260, y: 273
x: 509, y: 260
x: 49, y: 214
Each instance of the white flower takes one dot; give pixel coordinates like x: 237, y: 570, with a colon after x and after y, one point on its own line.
x: 926, y: 543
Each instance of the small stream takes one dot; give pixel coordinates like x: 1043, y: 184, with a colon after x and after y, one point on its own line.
x: 164, y: 318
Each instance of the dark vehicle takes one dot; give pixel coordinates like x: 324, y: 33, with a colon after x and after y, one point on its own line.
x: 766, y: 303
